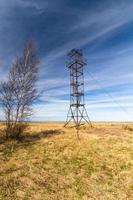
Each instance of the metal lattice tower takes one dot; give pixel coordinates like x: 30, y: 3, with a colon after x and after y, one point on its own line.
x: 77, y: 112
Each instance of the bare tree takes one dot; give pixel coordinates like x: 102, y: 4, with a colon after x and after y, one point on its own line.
x: 19, y: 92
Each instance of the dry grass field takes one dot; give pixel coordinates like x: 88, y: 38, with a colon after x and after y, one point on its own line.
x: 51, y: 163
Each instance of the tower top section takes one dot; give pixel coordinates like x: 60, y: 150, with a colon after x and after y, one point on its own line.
x: 75, y: 56
x: 74, y: 52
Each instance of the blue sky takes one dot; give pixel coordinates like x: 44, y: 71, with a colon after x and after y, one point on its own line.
x: 102, y: 28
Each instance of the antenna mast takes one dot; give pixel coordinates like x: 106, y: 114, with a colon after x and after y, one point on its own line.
x: 77, y: 111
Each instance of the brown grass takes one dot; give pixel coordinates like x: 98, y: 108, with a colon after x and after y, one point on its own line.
x: 50, y: 163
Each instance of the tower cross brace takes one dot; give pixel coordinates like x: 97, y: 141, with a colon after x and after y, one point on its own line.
x: 77, y: 111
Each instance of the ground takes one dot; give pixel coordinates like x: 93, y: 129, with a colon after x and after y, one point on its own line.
x: 51, y: 163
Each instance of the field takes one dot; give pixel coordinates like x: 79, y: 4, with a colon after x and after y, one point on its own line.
x: 51, y: 163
